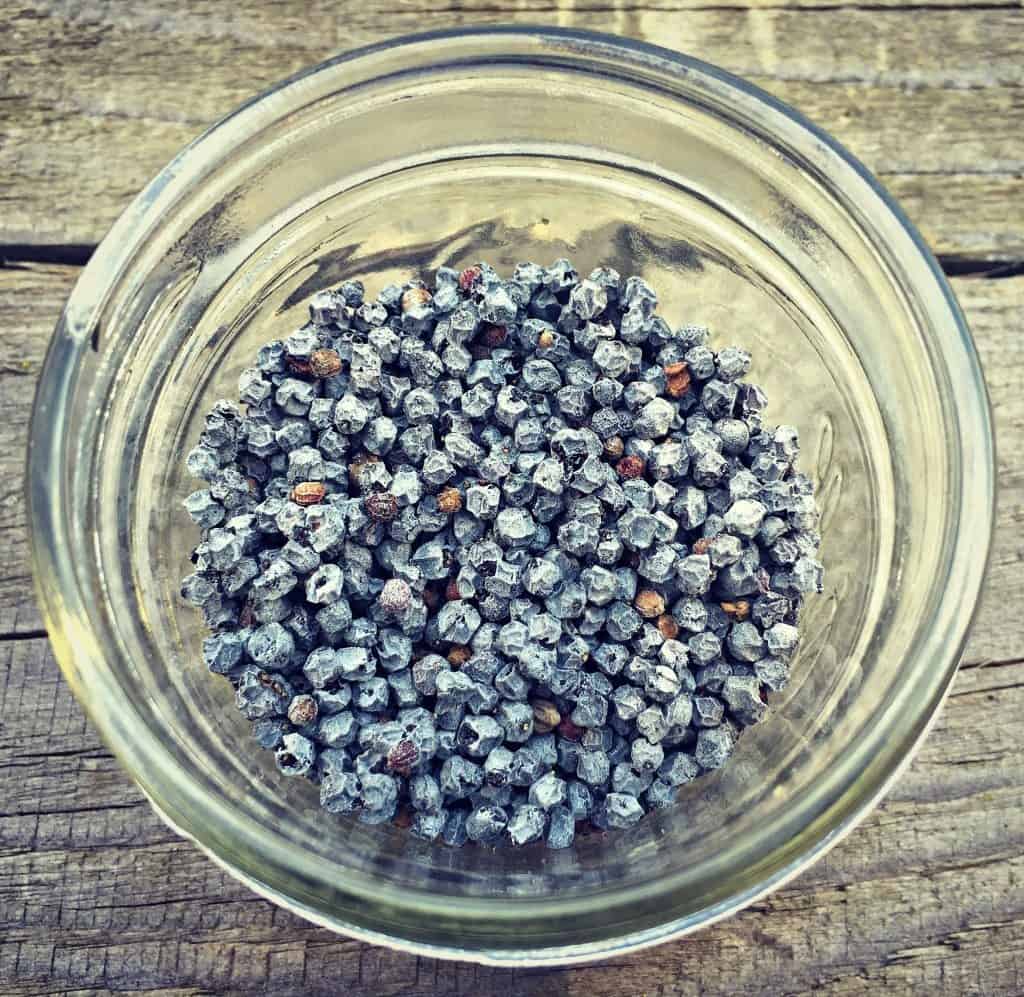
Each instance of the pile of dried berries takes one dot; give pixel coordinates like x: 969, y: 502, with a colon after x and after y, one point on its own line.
x: 502, y: 557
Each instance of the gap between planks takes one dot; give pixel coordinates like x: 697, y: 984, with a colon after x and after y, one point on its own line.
x: 14, y: 255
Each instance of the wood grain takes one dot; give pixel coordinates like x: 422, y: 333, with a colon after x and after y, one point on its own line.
x: 95, y: 98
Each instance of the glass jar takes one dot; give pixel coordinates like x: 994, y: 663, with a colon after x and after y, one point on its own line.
x: 507, y: 145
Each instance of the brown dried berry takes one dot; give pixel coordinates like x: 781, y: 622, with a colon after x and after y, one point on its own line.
x: 613, y: 447
x: 247, y: 617
x: 545, y: 716
x: 431, y: 598
x: 701, y: 546
x: 649, y: 603
x: 494, y: 335
x: 458, y: 655
x: 308, y: 492
x: 402, y: 757
x: 449, y: 500
x: 381, y: 507
x: 738, y: 610
x: 468, y: 278
x: 324, y: 363
x: 479, y: 351
x: 667, y: 626
x: 678, y: 382
x: 451, y: 591
x: 545, y: 340
x: 302, y: 710
x: 415, y: 296
x: 630, y: 467
x: 569, y: 730
x: 297, y: 365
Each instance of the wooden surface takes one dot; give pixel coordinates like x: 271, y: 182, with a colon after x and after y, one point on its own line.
x: 925, y: 897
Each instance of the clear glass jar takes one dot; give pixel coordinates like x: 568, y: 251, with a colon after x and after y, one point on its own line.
x: 507, y: 145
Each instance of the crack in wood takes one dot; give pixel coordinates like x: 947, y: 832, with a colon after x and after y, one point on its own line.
x: 13, y: 255
x: 964, y: 266
x: 23, y: 635
x: 99, y: 809
x: 970, y: 666
x: 987, y: 689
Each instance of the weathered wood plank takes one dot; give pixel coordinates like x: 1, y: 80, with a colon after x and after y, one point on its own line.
x: 96, y: 895
x: 95, y: 99
x: 963, y: 214
x: 31, y: 297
